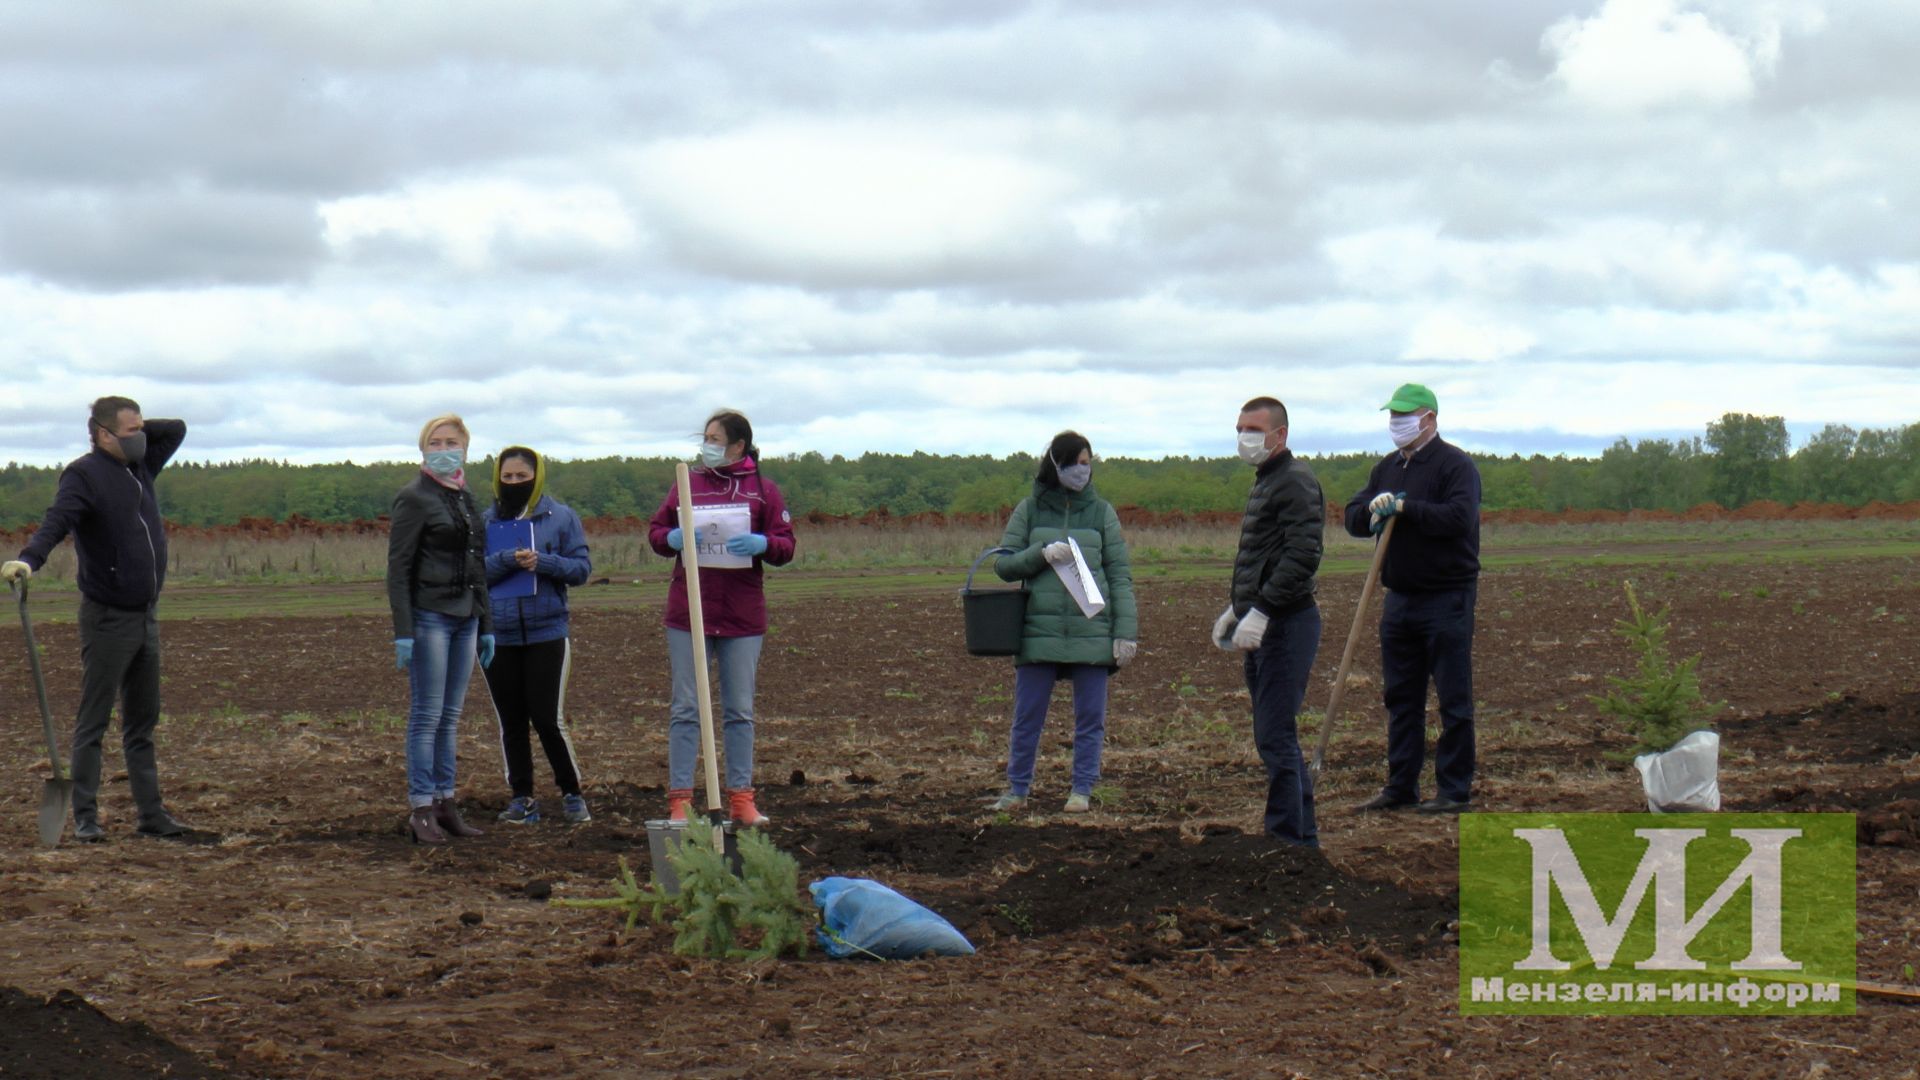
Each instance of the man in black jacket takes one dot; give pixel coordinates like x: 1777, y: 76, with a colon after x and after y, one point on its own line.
x: 106, y: 500
x: 1432, y: 574
x: 1273, y: 618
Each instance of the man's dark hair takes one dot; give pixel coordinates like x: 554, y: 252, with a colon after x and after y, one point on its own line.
x: 737, y: 427
x: 1276, y: 412
x: 106, y: 411
x: 1065, y: 449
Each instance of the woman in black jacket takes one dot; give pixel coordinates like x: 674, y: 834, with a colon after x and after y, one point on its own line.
x: 437, y: 587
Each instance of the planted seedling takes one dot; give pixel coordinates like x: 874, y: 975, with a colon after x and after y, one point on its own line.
x: 755, y: 915
x: 1660, y: 703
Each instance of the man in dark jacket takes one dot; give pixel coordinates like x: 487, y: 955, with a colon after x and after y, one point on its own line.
x: 106, y: 500
x: 1432, y: 574
x: 1273, y: 618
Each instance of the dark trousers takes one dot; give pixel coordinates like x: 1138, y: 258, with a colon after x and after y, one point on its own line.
x: 528, y: 684
x: 120, y: 660
x: 1277, y: 681
x: 1428, y: 635
x: 1032, y: 693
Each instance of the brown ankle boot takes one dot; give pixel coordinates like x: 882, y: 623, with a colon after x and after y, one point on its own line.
x: 744, y: 813
x: 422, y: 827
x: 679, y: 800
x: 449, y: 819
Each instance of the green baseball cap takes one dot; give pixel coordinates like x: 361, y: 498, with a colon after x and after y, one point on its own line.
x: 1412, y: 397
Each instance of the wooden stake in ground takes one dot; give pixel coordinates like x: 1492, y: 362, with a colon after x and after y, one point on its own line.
x: 690, y: 560
x: 1346, y: 658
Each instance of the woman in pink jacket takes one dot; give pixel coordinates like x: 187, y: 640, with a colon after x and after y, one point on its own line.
x: 728, y: 494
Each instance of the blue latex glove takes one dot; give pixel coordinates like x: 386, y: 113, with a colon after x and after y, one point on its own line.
x: 674, y: 539
x: 747, y: 544
x: 486, y: 650
x: 402, y: 653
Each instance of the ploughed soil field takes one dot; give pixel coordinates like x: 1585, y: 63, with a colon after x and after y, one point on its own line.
x: 302, y: 935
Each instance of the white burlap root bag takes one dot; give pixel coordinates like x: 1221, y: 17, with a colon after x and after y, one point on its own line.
x: 1684, y: 779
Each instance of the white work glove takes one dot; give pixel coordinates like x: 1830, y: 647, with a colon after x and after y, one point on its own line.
x: 1223, y: 629
x: 1123, y: 652
x: 1253, y: 629
x: 1387, y: 504
x: 15, y: 570
x: 1058, y: 553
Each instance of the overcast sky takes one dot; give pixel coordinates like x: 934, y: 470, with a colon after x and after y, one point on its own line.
x: 953, y: 225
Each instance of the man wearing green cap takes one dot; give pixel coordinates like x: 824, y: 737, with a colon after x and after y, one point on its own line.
x: 1432, y: 572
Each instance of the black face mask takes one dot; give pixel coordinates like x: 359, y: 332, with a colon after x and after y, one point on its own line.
x: 513, y: 498
x: 134, y: 446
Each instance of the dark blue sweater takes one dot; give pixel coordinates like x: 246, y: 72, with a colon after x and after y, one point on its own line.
x: 109, y: 508
x: 563, y: 561
x: 1436, y: 546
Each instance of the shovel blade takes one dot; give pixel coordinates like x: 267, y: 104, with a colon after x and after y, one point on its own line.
x: 55, y: 800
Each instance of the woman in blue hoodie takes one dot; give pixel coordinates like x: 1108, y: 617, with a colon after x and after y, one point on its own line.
x: 529, y: 567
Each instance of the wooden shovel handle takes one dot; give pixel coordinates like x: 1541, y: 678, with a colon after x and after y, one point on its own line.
x: 697, y: 622
x: 1346, y: 657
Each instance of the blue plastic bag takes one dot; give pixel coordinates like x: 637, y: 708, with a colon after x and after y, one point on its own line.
x: 865, y: 918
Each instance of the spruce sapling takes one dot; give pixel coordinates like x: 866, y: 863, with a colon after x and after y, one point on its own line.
x: 1659, y: 703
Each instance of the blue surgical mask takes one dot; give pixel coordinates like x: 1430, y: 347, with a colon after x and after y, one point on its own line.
x: 1075, y: 477
x: 444, y: 463
x: 712, y: 455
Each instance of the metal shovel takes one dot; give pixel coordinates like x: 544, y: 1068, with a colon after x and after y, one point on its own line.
x: 56, y: 797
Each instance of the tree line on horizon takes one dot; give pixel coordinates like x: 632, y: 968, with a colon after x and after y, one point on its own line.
x: 1739, y: 460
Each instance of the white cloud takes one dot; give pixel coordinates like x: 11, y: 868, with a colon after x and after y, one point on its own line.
x: 1637, y: 54
x: 952, y: 224
x: 861, y: 203
x: 472, y: 224
x: 1453, y: 335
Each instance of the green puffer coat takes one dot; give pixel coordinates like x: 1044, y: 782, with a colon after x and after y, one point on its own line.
x: 1056, y: 632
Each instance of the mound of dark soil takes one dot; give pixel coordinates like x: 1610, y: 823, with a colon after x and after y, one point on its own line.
x: 1846, y: 729
x: 1081, y: 877
x: 1224, y: 880
x: 62, y: 1037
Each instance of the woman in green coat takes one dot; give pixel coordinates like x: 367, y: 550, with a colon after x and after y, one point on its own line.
x: 1058, y: 640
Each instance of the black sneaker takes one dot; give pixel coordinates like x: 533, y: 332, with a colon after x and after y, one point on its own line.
x: 88, y: 831
x: 1385, y: 801
x: 161, y: 824
x: 1440, y: 804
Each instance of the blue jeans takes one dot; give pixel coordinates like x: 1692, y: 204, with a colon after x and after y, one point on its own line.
x: 1032, y: 691
x: 738, y: 659
x: 442, y: 663
x: 1428, y: 635
x: 1277, y: 682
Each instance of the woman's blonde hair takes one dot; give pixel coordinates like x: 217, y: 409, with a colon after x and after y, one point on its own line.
x: 449, y: 420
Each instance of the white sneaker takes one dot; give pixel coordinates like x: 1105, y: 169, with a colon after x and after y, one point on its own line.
x: 1008, y: 801
x: 1078, y: 804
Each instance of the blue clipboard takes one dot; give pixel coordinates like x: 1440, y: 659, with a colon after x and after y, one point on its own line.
x: 512, y: 535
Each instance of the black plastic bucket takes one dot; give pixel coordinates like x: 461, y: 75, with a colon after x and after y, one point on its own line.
x: 995, y: 617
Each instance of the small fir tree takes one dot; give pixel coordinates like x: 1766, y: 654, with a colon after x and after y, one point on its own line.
x: 1660, y: 703
x: 755, y: 915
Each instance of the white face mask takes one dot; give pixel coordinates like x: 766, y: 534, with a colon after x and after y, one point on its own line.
x: 1254, y: 449
x: 1405, y: 430
x: 1074, y: 477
